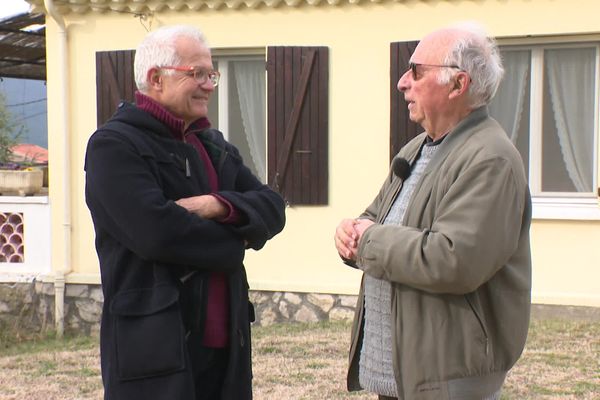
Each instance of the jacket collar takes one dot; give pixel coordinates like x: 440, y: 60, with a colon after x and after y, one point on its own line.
x: 458, y: 136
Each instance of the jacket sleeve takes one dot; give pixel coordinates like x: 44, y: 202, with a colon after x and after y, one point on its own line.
x: 262, y: 208
x: 475, y: 230
x: 126, y: 201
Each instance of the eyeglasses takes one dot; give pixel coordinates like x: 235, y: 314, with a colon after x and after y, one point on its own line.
x: 413, y: 68
x: 199, y: 74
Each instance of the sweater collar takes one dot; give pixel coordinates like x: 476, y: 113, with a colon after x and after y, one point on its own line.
x: 176, y: 125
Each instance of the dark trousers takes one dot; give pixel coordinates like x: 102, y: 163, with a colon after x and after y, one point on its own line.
x: 209, y: 366
x: 382, y: 397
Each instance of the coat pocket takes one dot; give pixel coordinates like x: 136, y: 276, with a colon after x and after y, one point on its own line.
x: 149, y: 335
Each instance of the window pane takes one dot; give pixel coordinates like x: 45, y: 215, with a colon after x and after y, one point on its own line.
x: 237, y: 134
x: 244, y: 84
x: 568, y: 120
x: 247, y: 127
x: 213, y: 104
x: 510, y: 106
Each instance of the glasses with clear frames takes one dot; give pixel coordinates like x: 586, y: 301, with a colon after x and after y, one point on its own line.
x: 201, y: 75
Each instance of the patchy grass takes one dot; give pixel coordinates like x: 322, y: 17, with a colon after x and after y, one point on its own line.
x: 308, y: 361
x: 561, y: 361
x: 50, y: 369
x: 302, y: 361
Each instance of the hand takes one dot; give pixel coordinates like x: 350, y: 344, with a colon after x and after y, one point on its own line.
x: 205, y: 206
x: 346, y: 239
x: 347, y: 236
x: 361, y: 226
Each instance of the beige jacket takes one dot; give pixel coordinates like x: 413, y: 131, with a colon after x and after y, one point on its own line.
x: 460, y: 266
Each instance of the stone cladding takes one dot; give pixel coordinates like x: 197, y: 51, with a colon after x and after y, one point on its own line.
x: 29, y: 307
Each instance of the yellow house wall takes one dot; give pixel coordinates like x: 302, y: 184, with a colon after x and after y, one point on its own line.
x: 303, y: 258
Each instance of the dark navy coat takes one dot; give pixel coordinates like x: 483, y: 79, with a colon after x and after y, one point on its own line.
x: 155, y: 256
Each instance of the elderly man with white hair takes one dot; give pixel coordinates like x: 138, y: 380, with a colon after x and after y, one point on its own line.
x: 174, y: 210
x: 445, y: 299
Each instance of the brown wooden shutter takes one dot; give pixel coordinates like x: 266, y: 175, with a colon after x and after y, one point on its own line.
x: 115, y: 81
x: 298, y: 123
x: 402, y: 129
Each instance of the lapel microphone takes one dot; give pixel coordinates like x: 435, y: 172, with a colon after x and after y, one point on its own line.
x: 401, y: 168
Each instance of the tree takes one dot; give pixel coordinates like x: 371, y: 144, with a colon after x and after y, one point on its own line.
x: 10, y: 132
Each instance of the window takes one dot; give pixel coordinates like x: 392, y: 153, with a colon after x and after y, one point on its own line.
x: 238, y: 108
x: 547, y: 104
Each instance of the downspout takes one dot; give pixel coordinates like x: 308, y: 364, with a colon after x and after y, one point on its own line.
x: 59, y: 277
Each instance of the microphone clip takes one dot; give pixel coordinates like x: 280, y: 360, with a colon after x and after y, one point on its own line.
x: 401, y: 168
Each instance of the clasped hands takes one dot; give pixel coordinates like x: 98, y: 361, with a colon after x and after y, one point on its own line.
x: 347, y: 236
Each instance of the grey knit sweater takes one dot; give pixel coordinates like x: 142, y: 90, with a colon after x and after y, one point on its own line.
x: 376, y: 373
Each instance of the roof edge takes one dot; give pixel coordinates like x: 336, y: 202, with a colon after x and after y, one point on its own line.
x: 148, y: 6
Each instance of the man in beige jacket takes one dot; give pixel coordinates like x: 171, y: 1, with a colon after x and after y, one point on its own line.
x: 444, y: 305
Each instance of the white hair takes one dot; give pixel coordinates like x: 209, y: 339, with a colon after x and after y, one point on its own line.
x: 158, y: 49
x: 477, y: 54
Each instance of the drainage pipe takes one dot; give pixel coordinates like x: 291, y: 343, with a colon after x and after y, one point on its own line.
x: 63, y: 100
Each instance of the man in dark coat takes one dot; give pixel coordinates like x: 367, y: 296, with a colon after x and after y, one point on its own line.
x: 174, y: 209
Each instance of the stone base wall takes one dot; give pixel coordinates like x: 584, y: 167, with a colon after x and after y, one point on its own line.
x: 274, y: 307
x: 29, y: 307
x: 26, y: 308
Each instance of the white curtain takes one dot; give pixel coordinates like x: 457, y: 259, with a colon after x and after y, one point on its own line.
x: 507, y: 105
x: 250, y: 78
x: 570, y: 74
